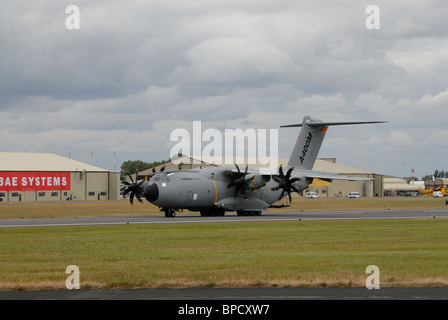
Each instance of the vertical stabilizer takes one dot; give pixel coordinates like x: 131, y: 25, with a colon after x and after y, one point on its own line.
x: 308, y: 144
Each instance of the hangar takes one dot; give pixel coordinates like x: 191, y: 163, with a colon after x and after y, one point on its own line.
x: 50, y: 177
x: 337, y: 188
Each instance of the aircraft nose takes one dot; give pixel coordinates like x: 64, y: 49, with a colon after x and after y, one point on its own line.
x: 152, y: 192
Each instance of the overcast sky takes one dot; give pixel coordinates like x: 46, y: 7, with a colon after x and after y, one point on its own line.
x: 134, y: 71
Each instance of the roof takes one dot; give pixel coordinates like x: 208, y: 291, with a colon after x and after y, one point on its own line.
x: 22, y: 161
x: 327, y: 165
x: 396, y: 183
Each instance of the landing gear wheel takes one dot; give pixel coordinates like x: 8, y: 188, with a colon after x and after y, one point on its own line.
x: 170, y: 213
x: 248, y: 213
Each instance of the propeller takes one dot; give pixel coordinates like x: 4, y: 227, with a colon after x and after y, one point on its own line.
x: 241, y: 183
x: 134, y: 188
x: 285, y: 182
x: 154, y: 169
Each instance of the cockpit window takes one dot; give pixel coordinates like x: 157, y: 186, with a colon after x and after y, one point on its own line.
x: 162, y: 177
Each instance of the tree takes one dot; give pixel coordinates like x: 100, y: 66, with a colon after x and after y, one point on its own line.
x: 437, y: 174
x: 131, y: 166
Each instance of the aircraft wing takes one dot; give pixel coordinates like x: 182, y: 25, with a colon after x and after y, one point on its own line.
x: 262, y: 172
x: 328, y: 176
x: 311, y: 174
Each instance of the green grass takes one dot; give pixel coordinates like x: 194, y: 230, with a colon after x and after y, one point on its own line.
x: 276, y: 254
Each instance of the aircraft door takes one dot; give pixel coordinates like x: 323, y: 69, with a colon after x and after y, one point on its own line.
x: 189, y: 197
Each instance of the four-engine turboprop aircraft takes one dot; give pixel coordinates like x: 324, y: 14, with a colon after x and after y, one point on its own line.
x: 215, y: 190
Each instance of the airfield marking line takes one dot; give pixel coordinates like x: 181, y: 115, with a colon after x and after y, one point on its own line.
x: 293, y: 218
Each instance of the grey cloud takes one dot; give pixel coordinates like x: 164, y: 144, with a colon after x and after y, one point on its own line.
x: 134, y: 72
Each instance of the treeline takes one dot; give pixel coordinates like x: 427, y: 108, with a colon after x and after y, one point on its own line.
x: 131, y: 166
x: 437, y: 174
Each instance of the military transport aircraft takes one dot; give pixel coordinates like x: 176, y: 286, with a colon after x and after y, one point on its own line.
x: 214, y: 190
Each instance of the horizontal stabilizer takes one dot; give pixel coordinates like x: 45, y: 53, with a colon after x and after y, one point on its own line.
x: 326, y: 124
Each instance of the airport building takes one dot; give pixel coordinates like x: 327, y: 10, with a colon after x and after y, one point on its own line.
x: 337, y: 188
x: 50, y: 177
x: 435, y: 183
x: 340, y: 188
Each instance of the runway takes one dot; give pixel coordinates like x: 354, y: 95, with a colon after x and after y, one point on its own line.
x: 234, y: 294
x: 229, y: 217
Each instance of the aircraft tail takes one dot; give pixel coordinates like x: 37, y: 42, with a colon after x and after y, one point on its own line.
x: 310, y: 140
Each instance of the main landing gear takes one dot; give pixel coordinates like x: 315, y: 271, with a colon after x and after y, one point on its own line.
x: 248, y: 213
x: 215, y: 212
x: 170, y: 213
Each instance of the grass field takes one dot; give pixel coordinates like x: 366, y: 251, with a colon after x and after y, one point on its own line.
x: 247, y: 254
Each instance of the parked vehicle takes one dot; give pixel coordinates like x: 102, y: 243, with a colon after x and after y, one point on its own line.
x: 312, y: 195
x: 354, y: 195
x: 437, y: 194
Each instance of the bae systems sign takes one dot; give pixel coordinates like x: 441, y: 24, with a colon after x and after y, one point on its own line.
x: 34, y: 181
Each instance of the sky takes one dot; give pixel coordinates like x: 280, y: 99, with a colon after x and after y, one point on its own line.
x: 133, y: 72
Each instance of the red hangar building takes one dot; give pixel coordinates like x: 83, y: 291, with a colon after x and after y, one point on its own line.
x: 50, y: 177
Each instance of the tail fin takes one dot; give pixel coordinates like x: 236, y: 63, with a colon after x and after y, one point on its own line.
x: 308, y: 143
x: 310, y: 140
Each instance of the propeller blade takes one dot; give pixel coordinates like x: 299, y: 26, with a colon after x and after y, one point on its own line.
x: 132, y: 180
x: 235, y: 193
x: 280, y: 170
x: 243, y: 193
x: 294, y: 180
x: 238, y: 168
x: 288, y: 174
